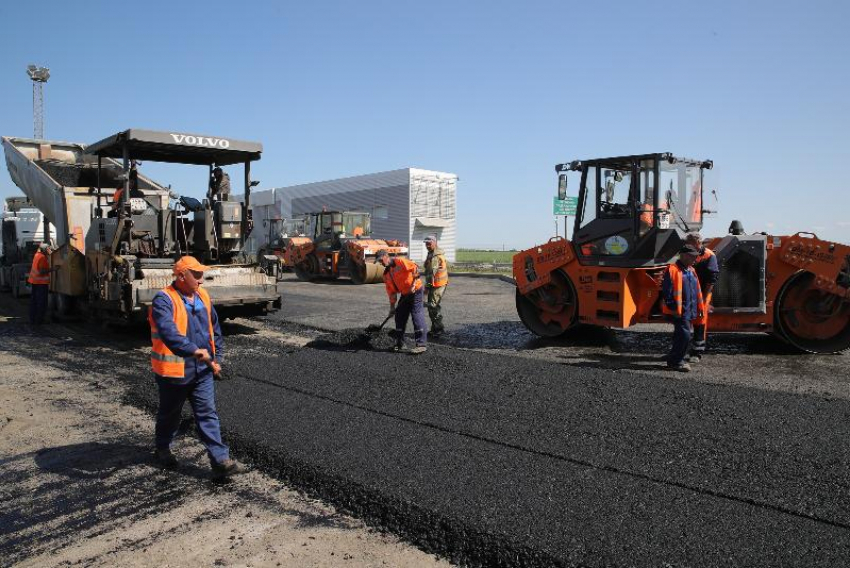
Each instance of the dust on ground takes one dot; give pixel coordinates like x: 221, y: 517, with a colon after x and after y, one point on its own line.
x: 78, y: 486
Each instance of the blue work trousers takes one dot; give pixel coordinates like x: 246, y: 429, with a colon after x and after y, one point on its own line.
x: 682, y: 332
x: 698, y: 347
x: 201, y: 395
x: 38, y: 303
x: 411, y: 305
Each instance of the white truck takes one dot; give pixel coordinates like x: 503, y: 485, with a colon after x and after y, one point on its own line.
x: 22, y: 227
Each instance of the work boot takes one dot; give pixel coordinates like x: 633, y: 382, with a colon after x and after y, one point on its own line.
x: 165, y: 458
x: 681, y: 367
x: 227, y: 468
x: 418, y: 350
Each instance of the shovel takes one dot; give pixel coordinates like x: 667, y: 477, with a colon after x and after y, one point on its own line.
x: 372, y: 328
x: 375, y: 328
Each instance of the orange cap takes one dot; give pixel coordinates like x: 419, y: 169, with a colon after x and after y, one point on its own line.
x: 189, y: 263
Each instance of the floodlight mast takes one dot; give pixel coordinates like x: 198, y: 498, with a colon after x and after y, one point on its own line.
x: 38, y: 76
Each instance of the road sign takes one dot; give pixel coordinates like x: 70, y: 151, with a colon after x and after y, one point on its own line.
x: 566, y: 206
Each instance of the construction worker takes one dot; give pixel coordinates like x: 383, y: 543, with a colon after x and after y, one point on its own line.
x: 116, y: 201
x: 682, y: 301
x: 436, y: 281
x: 219, y: 186
x: 39, y: 281
x: 135, y: 192
x: 708, y: 270
x: 404, y: 287
x: 187, y: 352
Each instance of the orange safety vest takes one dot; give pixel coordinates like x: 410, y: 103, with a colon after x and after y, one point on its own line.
x: 439, y: 277
x: 706, y: 254
x: 164, y: 362
x: 116, y: 197
x: 40, y: 270
x: 676, y: 277
x: 400, y: 276
x: 646, y: 214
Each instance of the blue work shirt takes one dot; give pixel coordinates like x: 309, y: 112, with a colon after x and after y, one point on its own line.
x: 707, y: 271
x: 690, y: 290
x: 197, y: 334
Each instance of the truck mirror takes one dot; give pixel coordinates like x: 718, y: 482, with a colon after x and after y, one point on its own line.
x: 562, y: 186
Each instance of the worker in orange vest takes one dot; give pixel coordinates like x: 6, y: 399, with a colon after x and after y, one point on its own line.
x: 186, y: 354
x: 404, y: 287
x: 436, y: 282
x: 39, y: 281
x: 708, y: 271
x: 682, y: 302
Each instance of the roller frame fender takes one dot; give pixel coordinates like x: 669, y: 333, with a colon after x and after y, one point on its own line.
x: 824, y: 259
x: 554, y: 255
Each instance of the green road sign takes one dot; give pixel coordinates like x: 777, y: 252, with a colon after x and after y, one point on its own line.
x: 565, y: 206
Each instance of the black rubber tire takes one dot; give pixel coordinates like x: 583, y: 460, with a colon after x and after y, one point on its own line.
x: 303, y: 275
x: 308, y: 270
x: 357, y: 275
x: 15, y: 285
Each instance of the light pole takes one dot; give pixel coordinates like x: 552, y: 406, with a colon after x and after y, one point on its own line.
x: 39, y: 76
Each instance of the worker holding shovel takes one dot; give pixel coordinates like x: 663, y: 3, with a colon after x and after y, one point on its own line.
x: 404, y: 288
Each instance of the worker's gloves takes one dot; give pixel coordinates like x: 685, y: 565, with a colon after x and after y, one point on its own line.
x: 392, y: 312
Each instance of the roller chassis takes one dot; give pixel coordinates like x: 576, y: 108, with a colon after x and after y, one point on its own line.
x: 806, y: 290
x: 333, y: 254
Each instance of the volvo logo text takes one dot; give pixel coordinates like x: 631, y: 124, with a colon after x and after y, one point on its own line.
x: 201, y: 141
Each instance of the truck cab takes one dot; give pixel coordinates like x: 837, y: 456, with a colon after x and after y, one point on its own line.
x: 331, y: 228
x: 634, y: 211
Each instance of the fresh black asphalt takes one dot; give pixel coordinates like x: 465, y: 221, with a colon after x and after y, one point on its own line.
x: 509, y: 461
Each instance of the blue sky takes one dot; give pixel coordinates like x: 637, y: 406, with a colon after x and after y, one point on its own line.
x: 496, y: 92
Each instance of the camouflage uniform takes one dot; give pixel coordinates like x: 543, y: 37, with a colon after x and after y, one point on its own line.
x: 436, y: 282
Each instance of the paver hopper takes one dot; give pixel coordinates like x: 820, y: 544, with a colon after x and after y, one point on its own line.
x: 115, y: 248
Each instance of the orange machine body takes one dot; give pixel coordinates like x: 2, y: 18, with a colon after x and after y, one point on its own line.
x: 622, y: 297
x: 336, y: 250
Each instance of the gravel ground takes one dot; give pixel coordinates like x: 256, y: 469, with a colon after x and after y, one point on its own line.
x: 78, y: 486
x: 494, y: 448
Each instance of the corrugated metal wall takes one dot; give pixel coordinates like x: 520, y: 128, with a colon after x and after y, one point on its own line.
x: 433, y: 211
x: 407, y: 204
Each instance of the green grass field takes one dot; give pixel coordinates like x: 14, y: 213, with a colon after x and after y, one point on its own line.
x: 491, y: 256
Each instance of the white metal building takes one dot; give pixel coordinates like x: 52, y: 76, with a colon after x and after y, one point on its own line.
x: 408, y: 204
